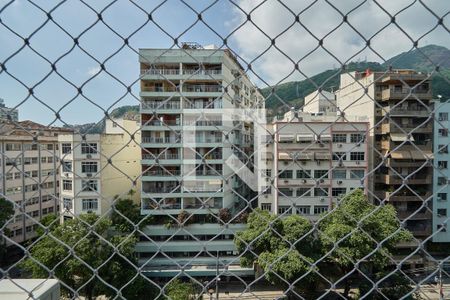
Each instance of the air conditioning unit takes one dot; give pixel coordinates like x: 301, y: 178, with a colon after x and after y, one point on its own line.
x: 318, y: 162
x: 88, y: 174
x: 89, y: 156
x: 322, y: 180
x: 339, y: 145
x: 286, y: 181
x: 303, y: 162
x: 339, y: 182
x: 322, y: 199
x: 321, y: 145
x: 358, y: 144
x: 66, y: 174
x: 286, y: 163
x: 358, y: 162
x: 304, y: 181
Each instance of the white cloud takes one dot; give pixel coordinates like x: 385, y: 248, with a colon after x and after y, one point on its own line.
x: 298, y: 42
x: 94, y: 70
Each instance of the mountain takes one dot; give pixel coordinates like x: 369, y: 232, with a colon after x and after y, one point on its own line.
x: 422, y: 59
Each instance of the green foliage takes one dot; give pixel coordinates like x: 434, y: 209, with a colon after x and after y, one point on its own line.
x: 390, y: 286
x: 178, y: 290
x: 283, y: 247
x: 50, y: 221
x: 91, y: 246
x: 126, y: 209
x: 6, y: 211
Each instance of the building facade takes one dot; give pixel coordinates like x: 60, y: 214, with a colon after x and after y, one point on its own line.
x: 313, y: 161
x: 441, y: 172
x: 96, y: 169
x: 8, y: 114
x: 397, y: 104
x: 189, y: 100
x: 30, y: 178
x: 322, y: 102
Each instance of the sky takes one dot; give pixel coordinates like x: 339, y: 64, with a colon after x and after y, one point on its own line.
x: 295, y: 41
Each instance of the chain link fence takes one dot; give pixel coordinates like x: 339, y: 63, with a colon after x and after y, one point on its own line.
x: 279, y: 163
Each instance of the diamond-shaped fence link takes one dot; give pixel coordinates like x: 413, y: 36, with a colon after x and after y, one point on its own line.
x: 295, y: 150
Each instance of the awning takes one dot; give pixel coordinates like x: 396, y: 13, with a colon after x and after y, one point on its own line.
x: 305, y: 156
x: 324, y: 137
x: 400, y: 137
x: 305, y: 137
x: 322, y: 156
x: 421, y: 155
x: 284, y: 156
x: 401, y: 155
x: 285, y: 137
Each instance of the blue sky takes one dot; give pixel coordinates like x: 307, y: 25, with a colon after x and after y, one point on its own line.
x: 175, y: 17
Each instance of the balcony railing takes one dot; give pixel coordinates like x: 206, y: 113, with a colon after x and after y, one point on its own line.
x: 202, y: 88
x: 162, y: 190
x: 208, y: 172
x: 201, y: 72
x: 161, y: 123
x: 388, y: 94
x: 161, y: 156
x: 159, y: 140
x: 202, y: 189
x: 202, y: 123
x: 160, y: 71
x: 159, y: 89
x: 202, y: 105
x: 160, y: 105
x: 162, y: 173
x: 209, y: 140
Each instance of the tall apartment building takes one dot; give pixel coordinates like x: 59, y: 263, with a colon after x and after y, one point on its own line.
x: 29, y: 163
x: 313, y: 161
x: 397, y: 103
x: 323, y: 102
x: 96, y: 169
x: 441, y: 140
x: 8, y: 114
x: 189, y: 100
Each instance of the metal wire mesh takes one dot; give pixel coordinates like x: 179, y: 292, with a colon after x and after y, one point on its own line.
x: 238, y: 172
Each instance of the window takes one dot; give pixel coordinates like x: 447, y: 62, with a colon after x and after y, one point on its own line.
x: 66, y: 148
x: 13, y: 147
x: 357, y: 156
x: 320, y: 209
x: 17, y: 175
x: 49, y: 159
x: 266, y: 206
x: 89, y: 148
x: 442, y: 181
x: 336, y: 192
x: 443, y: 149
x: 285, y: 192
x: 43, y: 160
x: 443, y: 116
x: 303, y: 192
x: 89, y: 167
x: 305, y: 174
x: 339, y: 156
x: 319, y: 192
x: 35, y: 213
x: 266, y: 190
x: 287, y: 210
x: 9, y: 176
x: 67, y: 203
x: 443, y: 131
x: 357, y: 174
x: 442, y: 212
x: 339, y: 174
x: 340, y: 138
x: 89, y: 204
x: 320, y: 174
x: 50, y: 147
x: 304, y: 210
x: 89, y: 185
x: 267, y: 172
x: 67, y: 185
x: 442, y: 196
x: 287, y: 174
x: 44, y: 211
x: 442, y: 227
x: 357, y: 138
x: 442, y: 164
x: 67, y: 166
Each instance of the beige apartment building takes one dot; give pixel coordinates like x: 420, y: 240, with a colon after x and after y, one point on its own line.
x: 314, y: 160
x: 29, y: 168
x: 397, y: 104
x: 96, y: 169
x: 322, y: 102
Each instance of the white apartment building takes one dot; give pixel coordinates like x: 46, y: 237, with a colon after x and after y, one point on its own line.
x: 313, y: 161
x: 322, y: 102
x: 189, y: 97
x: 29, y: 174
x: 441, y: 172
x: 96, y: 169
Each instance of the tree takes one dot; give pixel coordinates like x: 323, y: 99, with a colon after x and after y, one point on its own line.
x: 283, y: 248
x: 353, y: 232
x: 127, y: 214
x: 178, y: 290
x: 6, y: 212
x: 78, y: 247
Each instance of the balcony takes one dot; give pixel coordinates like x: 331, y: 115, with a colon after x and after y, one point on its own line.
x: 161, y: 156
x: 391, y: 94
x: 420, y: 231
x: 395, y: 179
x: 207, y: 72
x: 209, y: 140
x: 405, y: 112
x: 152, y: 71
x: 414, y: 215
x: 415, y: 128
x: 161, y: 140
x: 201, y: 88
x: 162, y: 173
x: 402, y: 197
x: 172, y: 105
x: 160, y: 123
x: 159, y: 89
x: 165, y: 205
x: 203, y: 105
x: 162, y: 190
